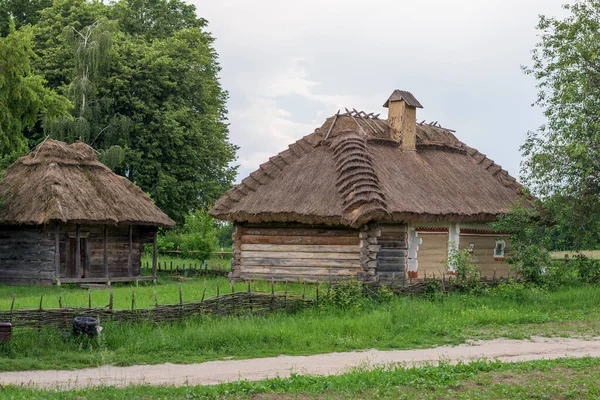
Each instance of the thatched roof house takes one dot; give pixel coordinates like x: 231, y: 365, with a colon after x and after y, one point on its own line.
x: 361, y: 173
x: 67, y: 217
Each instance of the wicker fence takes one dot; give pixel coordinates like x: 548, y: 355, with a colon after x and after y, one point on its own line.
x: 227, y: 304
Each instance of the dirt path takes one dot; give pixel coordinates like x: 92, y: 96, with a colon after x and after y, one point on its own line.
x: 214, y: 372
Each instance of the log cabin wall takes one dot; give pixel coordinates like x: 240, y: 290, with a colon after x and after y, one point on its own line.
x: 296, y: 252
x: 118, y: 249
x: 27, y: 252
x: 392, y: 252
x: 26, y: 255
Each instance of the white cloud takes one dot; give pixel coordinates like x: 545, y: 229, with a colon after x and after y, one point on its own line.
x: 289, y: 65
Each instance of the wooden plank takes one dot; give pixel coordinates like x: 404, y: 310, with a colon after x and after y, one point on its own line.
x: 301, y: 248
x: 77, y: 252
x: 298, y: 240
x: 299, y: 263
x: 86, y: 257
x: 57, y: 251
x: 130, y: 253
x: 105, y: 260
x: 297, y: 271
x: 103, y: 279
x: 304, y: 256
x: 394, y: 267
x: 392, y: 253
x: 300, y: 232
x: 154, y: 246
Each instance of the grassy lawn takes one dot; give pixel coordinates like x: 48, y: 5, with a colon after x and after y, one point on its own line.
x: 222, y: 263
x: 555, y: 379
x: 399, y: 323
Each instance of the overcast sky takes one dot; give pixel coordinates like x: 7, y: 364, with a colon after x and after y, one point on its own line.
x: 288, y: 65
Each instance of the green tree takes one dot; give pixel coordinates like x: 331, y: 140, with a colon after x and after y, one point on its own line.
x: 24, y: 98
x: 162, y: 79
x: 22, y: 12
x: 563, y: 156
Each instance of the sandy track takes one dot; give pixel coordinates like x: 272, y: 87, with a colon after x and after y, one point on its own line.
x: 214, y: 372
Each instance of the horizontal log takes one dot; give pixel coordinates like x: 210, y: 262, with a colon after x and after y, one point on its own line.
x: 301, y: 248
x: 393, y: 228
x: 297, y: 271
x: 392, y: 253
x: 394, y: 267
x: 297, y: 278
x: 299, y: 262
x: 103, y: 279
x: 297, y: 240
x: 391, y: 259
x: 394, y: 244
x: 300, y: 232
x: 299, y: 255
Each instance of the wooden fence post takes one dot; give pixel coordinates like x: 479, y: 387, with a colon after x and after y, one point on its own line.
x: 110, y: 300
x: 12, y: 304
x: 89, y: 298
x: 60, y: 302
x: 155, y: 299
x: 41, y: 300
x: 132, y: 299
x: 180, y: 295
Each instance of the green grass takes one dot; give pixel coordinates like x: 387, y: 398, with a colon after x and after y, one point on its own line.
x: 553, y: 379
x: 402, y: 323
x: 167, y: 292
x: 222, y: 263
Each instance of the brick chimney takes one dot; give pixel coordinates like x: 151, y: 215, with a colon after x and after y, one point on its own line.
x: 402, y: 117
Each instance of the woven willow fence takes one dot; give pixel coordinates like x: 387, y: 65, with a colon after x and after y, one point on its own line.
x: 227, y: 304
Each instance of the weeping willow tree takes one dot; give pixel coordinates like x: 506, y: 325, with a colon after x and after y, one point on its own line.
x: 91, y: 122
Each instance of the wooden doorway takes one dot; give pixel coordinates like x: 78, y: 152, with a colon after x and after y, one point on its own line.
x: 72, y: 258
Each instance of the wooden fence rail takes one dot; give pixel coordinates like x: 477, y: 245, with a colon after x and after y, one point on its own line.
x: 227, y: 304
x: 205, y: 268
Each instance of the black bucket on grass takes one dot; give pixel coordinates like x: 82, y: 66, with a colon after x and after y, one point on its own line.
x: 85, y: 326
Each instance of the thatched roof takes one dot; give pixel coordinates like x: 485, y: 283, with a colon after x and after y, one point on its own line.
x: 67, y: 183
x: 357, y: 174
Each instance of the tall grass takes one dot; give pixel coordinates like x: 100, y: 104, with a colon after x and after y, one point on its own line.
x: 167, y: 292
x: 400, y: 323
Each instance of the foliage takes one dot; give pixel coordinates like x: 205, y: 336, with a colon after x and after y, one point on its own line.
x: 563, y: 156
x: 224, y: 233
x: 21, y: 12
x: 528, y: 229
x: 347, y: 295
x: 197, y: 238
x: 155, y: 94
x: 402, y: 323
x: 24, y: 98
x: 468, y: 276
x: 200, y: 235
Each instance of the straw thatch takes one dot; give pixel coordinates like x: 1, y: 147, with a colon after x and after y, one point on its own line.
x: 57, y: 182
x: 357, y: 174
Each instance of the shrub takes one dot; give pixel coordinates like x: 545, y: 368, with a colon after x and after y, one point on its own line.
x: 345, y: 295
x: 468, y: 276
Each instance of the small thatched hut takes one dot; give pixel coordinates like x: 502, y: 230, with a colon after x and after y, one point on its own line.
x: 363, y: 196
x: 66, y: 217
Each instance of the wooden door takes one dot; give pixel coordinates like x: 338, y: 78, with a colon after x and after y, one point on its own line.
x: 71, y: 259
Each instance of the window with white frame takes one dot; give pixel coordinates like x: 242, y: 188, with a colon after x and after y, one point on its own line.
x: 499, y: 249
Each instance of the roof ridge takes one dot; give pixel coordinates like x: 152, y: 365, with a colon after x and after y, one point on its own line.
x: 266, y: 172
x: 494, y: 169
x: 360, y: 191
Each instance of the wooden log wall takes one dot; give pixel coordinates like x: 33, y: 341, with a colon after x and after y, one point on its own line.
x: 368, y: 251
x: 27, y: 255
x: 297, y: 253
x: 392, y: 257
x: 118, y: 248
